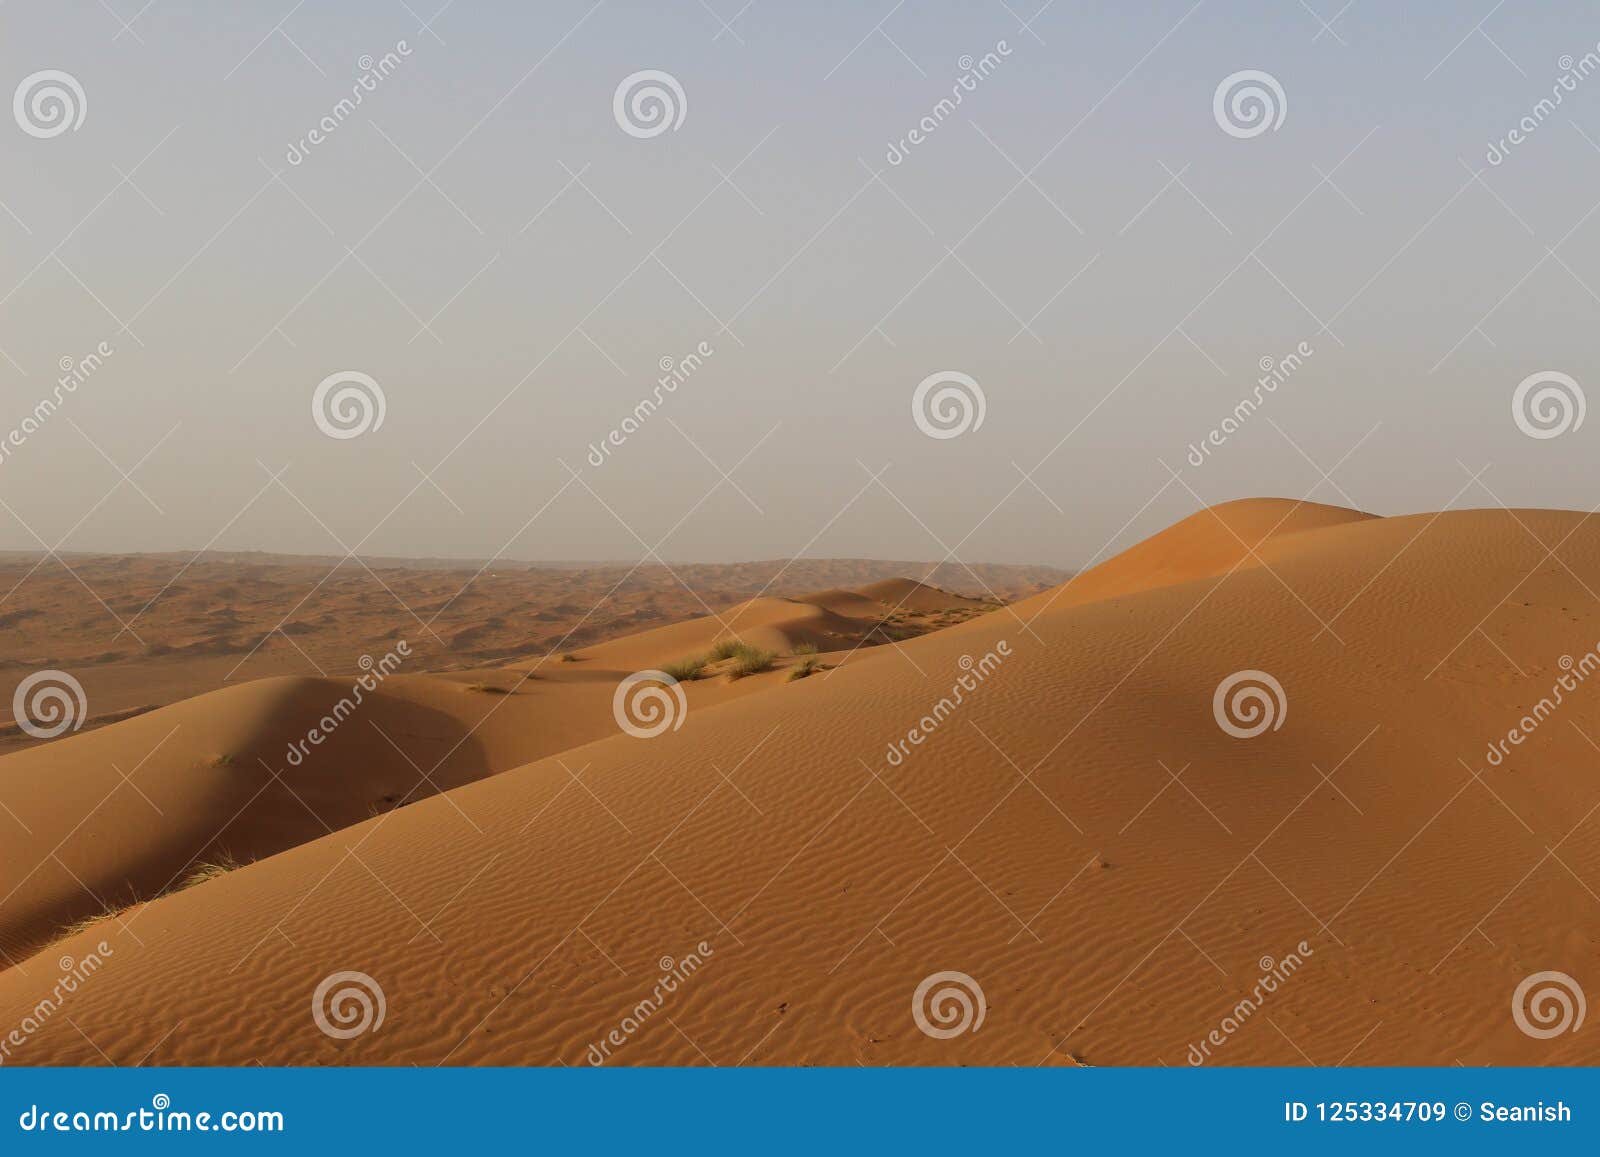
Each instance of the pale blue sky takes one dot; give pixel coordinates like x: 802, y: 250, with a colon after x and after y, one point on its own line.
x: 1155, y: 258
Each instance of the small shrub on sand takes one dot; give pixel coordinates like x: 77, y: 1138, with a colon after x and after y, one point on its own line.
x: 750, y: 661
x: 489, y: 689
x: 209, y: 871
x: 569, y: 657
x: 804, y: 649
x: 685, y: 669
x: 202, y: 872
x: 725, y: 649
x: 808, y: 666
x: 888, y: 632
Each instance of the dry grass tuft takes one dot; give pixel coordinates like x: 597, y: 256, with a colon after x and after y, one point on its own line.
x: 725, y: 649
x: 685, y: 670
x: 209, y: 870
x: 809, y: 666
x: 750, y: 661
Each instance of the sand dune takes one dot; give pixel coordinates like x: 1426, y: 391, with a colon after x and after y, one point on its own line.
x: 132, y: 808
x: 837, y: 619
x: 148, y: 630
x: 1079, y: 835
x: 1210, y: 542
x: 235, y: 775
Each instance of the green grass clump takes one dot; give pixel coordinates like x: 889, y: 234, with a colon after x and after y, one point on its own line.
x: 684, y: 670
x: 888, y: 631
x: 726, y: 649
x: 804, y: 649
x: 809, y: 666
x: 743, y: 659
x: 750, y: 661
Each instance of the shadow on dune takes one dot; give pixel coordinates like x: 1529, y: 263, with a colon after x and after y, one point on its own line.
x: 120, y: 815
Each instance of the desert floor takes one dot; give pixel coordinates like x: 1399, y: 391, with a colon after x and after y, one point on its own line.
x: 1080, y: 828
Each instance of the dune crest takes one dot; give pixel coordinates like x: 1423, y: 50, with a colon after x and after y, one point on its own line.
x: 1075, y: 833
x: 1208, y: 543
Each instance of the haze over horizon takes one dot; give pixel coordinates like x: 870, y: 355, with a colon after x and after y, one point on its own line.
x: 1081, y: 236
x: 732, y: 533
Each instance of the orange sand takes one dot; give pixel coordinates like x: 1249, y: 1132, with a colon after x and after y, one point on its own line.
x: 1079, y: 835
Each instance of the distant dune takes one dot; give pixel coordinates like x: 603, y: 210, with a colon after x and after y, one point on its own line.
x: 1071, y: 800
x: 146, y: 630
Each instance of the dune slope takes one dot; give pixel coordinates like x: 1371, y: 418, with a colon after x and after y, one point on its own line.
x: 1210, y: 542
x: 137, y: 806
x: 1078, y: 835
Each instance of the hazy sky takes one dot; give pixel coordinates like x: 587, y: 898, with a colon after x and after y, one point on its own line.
x: 1081, y: 236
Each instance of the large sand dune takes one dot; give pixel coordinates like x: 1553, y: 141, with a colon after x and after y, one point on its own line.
x: 1079, y: 835
x: 140, y: 805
